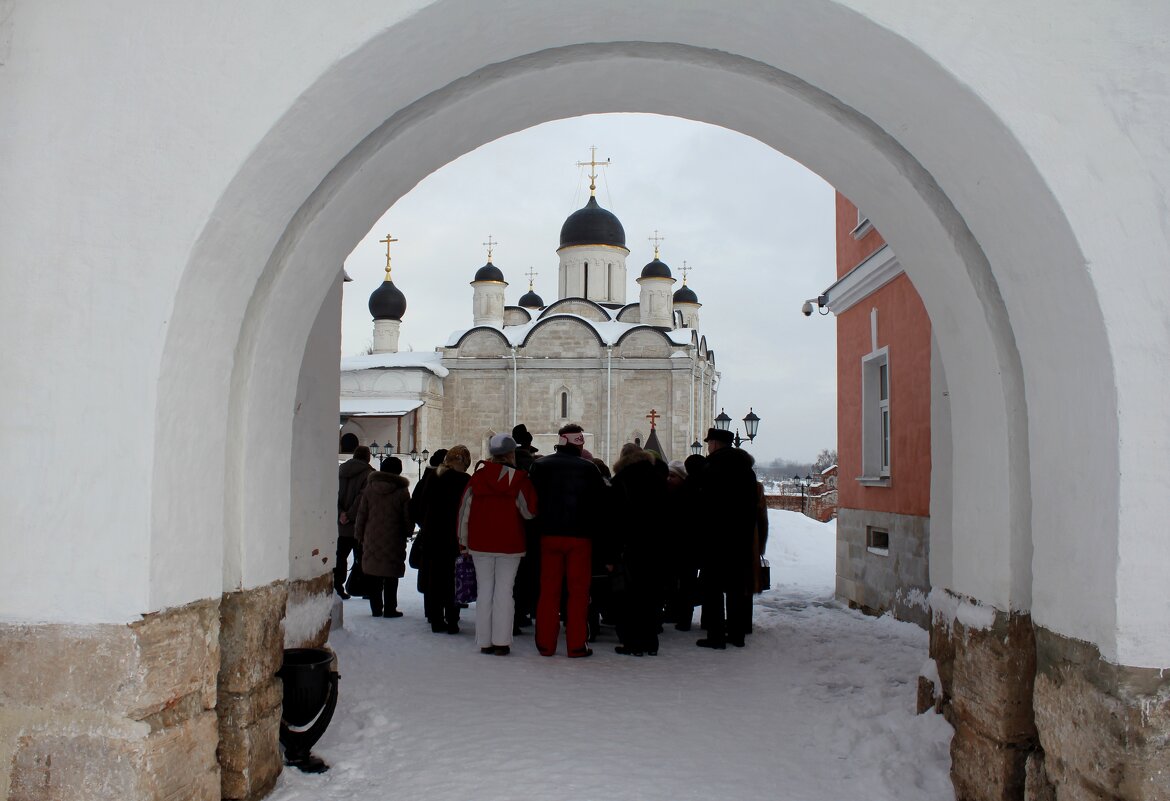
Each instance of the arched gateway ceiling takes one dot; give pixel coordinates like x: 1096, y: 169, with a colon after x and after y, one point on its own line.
x: 939, y: 169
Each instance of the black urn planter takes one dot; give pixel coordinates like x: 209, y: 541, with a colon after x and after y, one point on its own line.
x: 310, y: 698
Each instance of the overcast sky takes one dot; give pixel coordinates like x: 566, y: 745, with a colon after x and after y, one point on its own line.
x: 755, y: 226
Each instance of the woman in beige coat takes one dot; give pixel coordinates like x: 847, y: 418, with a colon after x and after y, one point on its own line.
x: 383, y: 527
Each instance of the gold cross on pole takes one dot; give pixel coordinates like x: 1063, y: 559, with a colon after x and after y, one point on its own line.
x: 656, y: 239
x: 653, y: 417
x: 531, y: 275
x: 387, y: 242
x: 490, y: 244
x: 685, y: 269
x: 593, y: 164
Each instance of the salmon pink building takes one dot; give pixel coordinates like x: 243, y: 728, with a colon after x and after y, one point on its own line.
x: 883, y: 425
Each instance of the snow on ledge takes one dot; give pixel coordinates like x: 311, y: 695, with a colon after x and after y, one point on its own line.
x: 428, y: 360
x: 950, y: 608
x: 304, y: 620
x: 914, y: 598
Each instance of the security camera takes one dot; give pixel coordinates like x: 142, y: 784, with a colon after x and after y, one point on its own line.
x: 807, y: 308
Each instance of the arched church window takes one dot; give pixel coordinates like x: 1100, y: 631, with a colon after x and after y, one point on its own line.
x: 564, y: 405
x: 349, y: 441
x: 585, y: 273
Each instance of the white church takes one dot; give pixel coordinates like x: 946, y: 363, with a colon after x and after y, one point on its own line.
x: 618, y: 369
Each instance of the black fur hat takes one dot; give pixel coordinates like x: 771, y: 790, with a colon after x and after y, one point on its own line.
x: 719, y: 435
x: 521, y: 435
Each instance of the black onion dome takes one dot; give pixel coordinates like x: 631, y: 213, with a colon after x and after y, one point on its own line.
x: 593, y: 225
x: 387, y: 302
x: 531, y: 300
x: 489, y: 272
x: 656, y: 269
x: 685, y: 295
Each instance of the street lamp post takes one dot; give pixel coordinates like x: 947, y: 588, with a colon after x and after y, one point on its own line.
x: 419, y: 458
x: 751, y: 426
x: 381, y: 451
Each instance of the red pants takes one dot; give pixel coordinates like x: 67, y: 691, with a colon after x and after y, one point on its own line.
x: 563, y: 559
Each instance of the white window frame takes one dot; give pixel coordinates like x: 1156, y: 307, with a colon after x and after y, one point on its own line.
x: 875, y: 419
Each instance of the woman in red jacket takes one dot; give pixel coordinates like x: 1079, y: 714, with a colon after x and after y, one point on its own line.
x: 497, y: 501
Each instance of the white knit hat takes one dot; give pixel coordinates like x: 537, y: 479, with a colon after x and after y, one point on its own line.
x: 501, y: 444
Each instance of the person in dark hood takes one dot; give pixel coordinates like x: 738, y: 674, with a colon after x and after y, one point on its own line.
x: 640, y: 501
x: 440, y: 524
x: 729, y: 524
x: 383, y: 525
x: 685, y: 513
x: 418, y: 512
x: 351, y: 480
x: 527, y: 586
x: 525, y: 452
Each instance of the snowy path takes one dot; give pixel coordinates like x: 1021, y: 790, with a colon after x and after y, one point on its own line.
x: 818, y: 707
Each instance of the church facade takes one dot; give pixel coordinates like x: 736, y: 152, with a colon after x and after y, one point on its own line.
x: 618, y: 368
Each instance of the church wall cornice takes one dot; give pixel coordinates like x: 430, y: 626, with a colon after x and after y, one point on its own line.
x: 546, y: 321
x: 551, y: 309
x: 479, y: 329
x: 615, y: 248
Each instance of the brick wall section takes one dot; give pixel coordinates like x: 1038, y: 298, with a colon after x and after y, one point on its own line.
x: 819, y: 507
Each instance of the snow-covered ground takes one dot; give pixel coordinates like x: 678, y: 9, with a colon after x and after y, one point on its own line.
x: 818, y: 707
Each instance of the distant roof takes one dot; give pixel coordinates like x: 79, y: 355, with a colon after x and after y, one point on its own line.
x: 428, y: 360
x: 489, y: 272
x: 387, y: 302
x: 531, y: 300
x: 593, y: 225
x: 378, y: 407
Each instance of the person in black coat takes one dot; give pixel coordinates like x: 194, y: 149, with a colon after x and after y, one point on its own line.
x: 418, y: 510
x: 442, y: 544
x: 571, y: 495
x: 639, y: 487
x: 351, y: 480
x: 728, y: 573
x: 683, y: 512
x: 527, y: 587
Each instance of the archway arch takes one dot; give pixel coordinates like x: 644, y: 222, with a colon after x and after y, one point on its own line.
x: 973, y: 248
x: 938, y: 249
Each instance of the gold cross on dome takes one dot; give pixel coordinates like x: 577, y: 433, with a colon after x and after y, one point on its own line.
x: 685, y: 269
x: 653, y: 417
x: 387, y: 242
x: 656, y: 239
x: 490, y: 244
x: 593, y: 164
x: 531, y: 275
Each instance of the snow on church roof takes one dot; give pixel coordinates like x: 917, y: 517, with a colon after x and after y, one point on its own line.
x: 378, y: 407
x: 429, y: 360
x: 609, y: 332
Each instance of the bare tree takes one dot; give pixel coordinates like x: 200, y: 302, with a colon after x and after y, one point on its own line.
x: 825, y: 459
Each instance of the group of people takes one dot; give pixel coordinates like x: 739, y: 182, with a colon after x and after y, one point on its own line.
x: 560, y: 538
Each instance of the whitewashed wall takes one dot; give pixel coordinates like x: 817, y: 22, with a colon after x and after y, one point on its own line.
x: 176, y: 177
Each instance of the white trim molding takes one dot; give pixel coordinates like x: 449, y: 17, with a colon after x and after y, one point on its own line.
x: 881, y: 267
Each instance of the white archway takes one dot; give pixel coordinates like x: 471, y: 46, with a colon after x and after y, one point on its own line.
x: 1024, y: 200
x: 992, y: 550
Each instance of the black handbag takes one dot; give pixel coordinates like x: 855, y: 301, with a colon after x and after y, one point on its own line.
x: 358, y: 584
x: 764, y: 576
x: 416, y: 548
